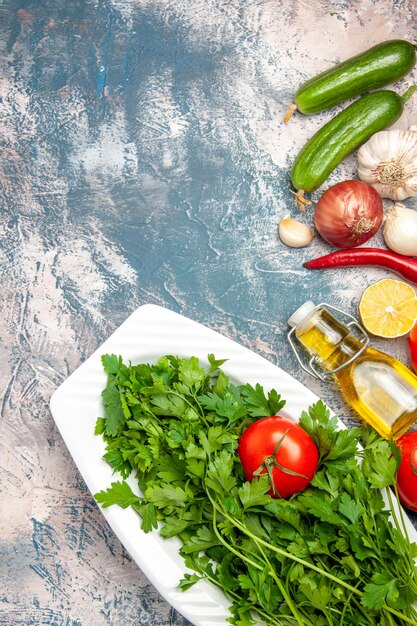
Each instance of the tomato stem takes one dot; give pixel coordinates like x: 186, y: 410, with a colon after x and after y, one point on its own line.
x: 270, y: 462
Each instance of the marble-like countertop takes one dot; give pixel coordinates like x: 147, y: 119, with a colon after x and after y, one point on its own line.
x: 144, y: 159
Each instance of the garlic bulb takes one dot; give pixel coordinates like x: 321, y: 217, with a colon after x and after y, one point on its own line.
x: 400, y: 230
x: 294, y: 233
x: 388, y: 161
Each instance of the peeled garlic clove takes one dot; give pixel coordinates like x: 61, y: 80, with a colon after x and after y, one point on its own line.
x: 294, y: 233
x: 400, y: 230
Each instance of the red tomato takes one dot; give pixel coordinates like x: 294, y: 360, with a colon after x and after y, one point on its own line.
x: 280, y: 447
x: 412, y: 347
x: 407, y: 472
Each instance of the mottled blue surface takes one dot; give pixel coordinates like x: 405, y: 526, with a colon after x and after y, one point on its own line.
x: 144, y: 159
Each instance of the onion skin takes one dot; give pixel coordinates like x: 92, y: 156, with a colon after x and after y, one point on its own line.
x: 348, y: 214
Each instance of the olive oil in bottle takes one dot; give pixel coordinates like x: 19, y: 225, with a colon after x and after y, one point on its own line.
x: 381, y: 389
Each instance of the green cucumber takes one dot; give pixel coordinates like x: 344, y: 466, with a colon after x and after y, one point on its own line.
x: 343, y: 133
x: 374, y: 68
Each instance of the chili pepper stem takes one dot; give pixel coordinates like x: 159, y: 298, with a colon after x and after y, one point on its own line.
x: 290, y: 112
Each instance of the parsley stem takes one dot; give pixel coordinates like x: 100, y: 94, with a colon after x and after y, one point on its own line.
x: 241, y: 556
x: 307, y: 564
x: 253, y: 563
x: 392, y: 510
x: 284, y: 592
x: 400, y: 508
x: 228, y: 545
x: 364, y: 615
x: 371, y: 511
x: 233, y: 595
x: 402, y: 528
x: 286, y: 554
x: 347, y: 603
x: 179, y: 395
x: 200, y: 408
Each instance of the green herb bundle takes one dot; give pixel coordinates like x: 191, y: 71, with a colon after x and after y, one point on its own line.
x: 331, y: 555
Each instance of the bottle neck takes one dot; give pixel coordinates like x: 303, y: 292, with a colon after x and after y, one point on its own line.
x: 344, y: 352
x: 326, y: 338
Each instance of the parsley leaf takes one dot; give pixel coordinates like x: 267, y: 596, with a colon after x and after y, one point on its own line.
x: 165, y: 495
x: 119, y: 493
x: 191, y: 374
x: 215, y: 364
x: 100, y: 426
x: 254, y: 494
x: 148, y: 514
x: 378, y: 466
x: 111, y: 363
x: 188, y: 581
x: 113, y: 409
x: 220, y: 473
x: 383, y: 589
x: 322, y: 507
x: 116, y: 460
x: 350, y: 508
x: 258, y: 404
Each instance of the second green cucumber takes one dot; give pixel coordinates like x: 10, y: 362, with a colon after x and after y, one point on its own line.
x: 379, y: 66
x: 343, y: 133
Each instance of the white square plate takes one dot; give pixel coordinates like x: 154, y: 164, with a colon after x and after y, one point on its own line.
x: 149, y: 333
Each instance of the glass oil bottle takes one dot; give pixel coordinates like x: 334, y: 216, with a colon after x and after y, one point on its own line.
x: 381, y: 389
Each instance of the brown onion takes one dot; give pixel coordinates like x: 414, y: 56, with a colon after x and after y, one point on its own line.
x: 349, y: 213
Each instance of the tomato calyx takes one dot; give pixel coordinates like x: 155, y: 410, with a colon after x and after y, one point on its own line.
x: 270, y: 462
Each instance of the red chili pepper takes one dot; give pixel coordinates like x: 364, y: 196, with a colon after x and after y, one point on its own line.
x: 405, y: 266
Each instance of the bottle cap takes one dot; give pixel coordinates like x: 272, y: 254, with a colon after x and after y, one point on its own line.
x: 301, y: 313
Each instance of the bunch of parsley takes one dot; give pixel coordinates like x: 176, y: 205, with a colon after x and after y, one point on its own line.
x: 332, y: 555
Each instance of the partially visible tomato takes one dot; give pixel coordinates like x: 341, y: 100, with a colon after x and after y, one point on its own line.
x: 412, y: 347
x: 407, y: 472
x: 279, y: 447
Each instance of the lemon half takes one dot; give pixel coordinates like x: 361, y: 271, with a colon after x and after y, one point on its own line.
x: 388, y: 308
